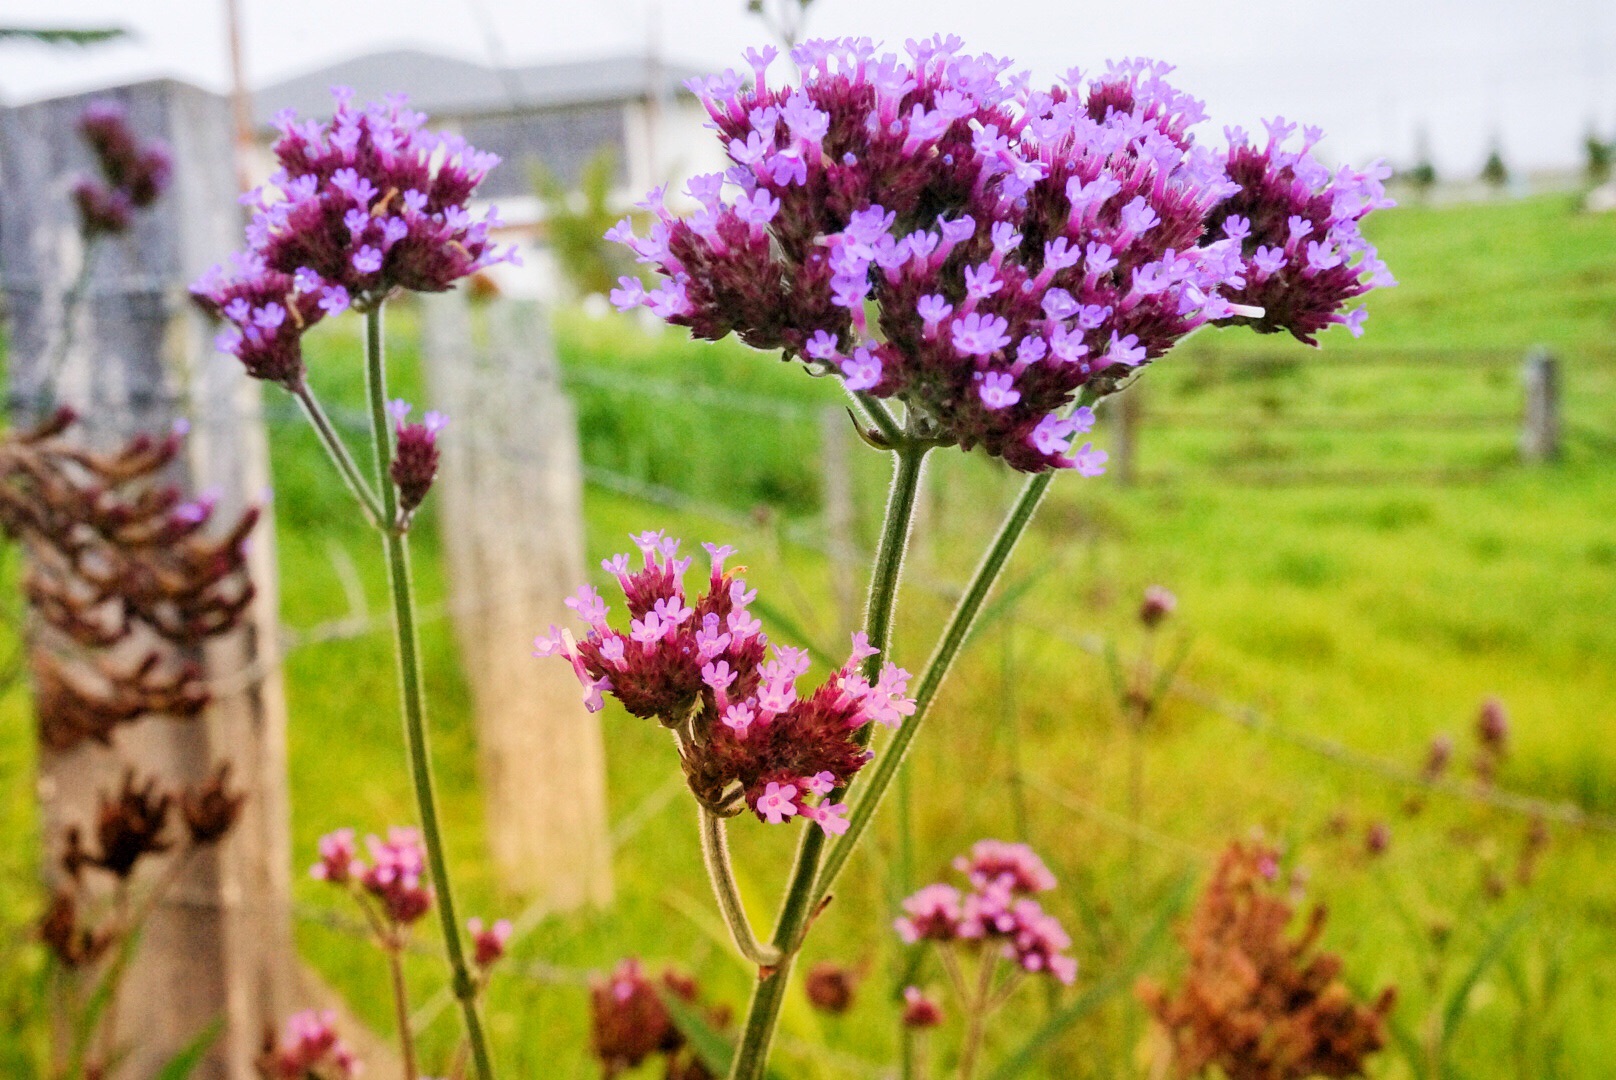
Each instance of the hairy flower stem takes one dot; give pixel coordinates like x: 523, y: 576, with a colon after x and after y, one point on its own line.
x: 715, y: 853
x: 401, y: 1006
x: 799, y: 904
x: 396, y: 544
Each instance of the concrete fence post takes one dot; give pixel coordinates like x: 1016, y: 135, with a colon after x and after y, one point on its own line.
x: 511, y: 511
x: 220, y: 945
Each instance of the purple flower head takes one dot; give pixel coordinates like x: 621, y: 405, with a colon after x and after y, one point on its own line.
x: 702, y: 664
x: 138, y: 170
x: 1299, y: 230
x: 930, y: 204
x: 368, y: 203
x: 309, y: 1046
x: 996, y: 912
x: 488, y: 943
x: 395, y: 874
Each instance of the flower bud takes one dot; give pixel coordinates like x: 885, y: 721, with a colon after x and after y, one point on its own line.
x: 830, y: 987
x: 919, y: 1011
x: 415, y: 456
x: 1157, y: 605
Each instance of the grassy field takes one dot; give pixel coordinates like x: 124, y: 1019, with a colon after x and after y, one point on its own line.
x: 1373, y: 614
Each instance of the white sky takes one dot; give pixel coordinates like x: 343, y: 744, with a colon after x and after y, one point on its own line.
x: 1371, y: 72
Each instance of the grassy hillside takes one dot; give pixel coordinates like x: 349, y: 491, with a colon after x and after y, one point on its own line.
x: 1373, y: 614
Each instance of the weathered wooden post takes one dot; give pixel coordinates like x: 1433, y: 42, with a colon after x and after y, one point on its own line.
x: 511, y: 512
x: 1540, y: 420
x: 220, y: 945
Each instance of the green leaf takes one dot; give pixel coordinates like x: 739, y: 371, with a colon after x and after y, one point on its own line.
x: 63, y: 36
x: 182, y: 1064
x: 1459, y: 1001
x: 1101, y: 992
x: 106, y: 988
x: 711, y: 1045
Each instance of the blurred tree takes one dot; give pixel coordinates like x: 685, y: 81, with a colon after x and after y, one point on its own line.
x: 1599, y: 154
x: 1495, y: 172
x: 577, y: 220
x: 1421, y: 176
x: 79, y: 36
x: 784, y: 18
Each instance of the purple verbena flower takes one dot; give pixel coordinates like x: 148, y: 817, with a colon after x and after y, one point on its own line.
x: 995, y: 912
x: 363, y: 206
x: 1298, y: 230
x: 702, y: 666
x: 934, y: 209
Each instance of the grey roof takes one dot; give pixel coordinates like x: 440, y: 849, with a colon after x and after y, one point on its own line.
x: 447, y: 86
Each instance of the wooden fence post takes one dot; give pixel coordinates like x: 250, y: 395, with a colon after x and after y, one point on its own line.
x: 143, y: 359
x: 1540, y: 421
x: 512, y: 519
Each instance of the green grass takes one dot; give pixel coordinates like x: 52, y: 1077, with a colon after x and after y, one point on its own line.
x: 1374, y: 614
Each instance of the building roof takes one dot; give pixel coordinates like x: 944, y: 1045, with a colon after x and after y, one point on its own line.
x: 448, y: 86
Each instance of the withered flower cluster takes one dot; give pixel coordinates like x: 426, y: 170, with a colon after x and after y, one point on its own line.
x: 1255, y: 1003
x: 629, y: 1022
x: 130, y: 825
x: 123, y: 575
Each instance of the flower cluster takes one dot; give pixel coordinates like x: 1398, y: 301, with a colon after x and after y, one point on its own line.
x: 1254, y: 1003
x: 488, y: 943
x: 123, y: 576
x: 131, y: 825
x: 935, y: 230
x: 415, y: 455
x: 700, y: 668
x: 1298, y: 225
x: 134, y: 172
x: 309, y: 1049
x: 629, y: 1023
x: 392, y: 878
x: 997, y: 909
x: 363, y: 205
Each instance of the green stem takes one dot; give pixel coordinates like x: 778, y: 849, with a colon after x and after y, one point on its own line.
x: 396, y: 544
x: 401, y: 1006
x: 977, y: 1020
x: 879, y: 415
x: 931, y: 679
x: 715, y: 853
x: 799, y: 904
x: 337, y: 450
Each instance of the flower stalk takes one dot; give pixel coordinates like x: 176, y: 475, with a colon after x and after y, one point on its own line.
x: 396, y: 547
x: 715, y: 854
x: 800, y: 903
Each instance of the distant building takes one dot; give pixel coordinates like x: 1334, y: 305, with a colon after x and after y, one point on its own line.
x: 559, y: 115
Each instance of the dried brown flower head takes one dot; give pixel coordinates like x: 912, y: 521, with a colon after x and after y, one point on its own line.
x: 130, y: 825
x: 119, y: 567
x: 629, y: 1023
x: 210, y: 809
x: 830, y: 987
x: 72, y: 944
x: 1254, y: 1003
